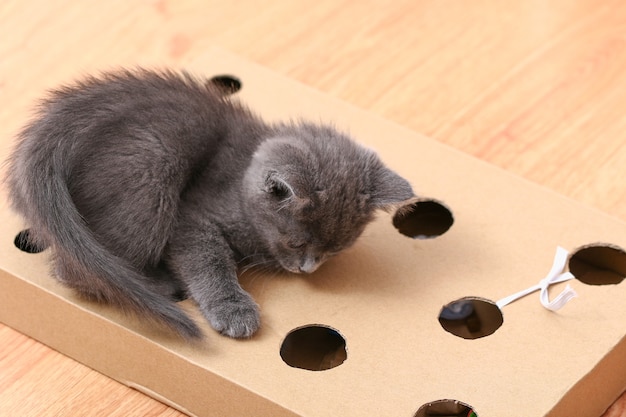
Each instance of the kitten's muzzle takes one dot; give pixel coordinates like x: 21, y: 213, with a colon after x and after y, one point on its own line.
x: 306, y: 269
x: 307, y: 266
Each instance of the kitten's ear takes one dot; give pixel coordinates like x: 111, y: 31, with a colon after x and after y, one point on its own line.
x: 388, y: 189
x: 278, y: 186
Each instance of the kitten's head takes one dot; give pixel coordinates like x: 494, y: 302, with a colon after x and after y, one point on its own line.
x: 311, y: 191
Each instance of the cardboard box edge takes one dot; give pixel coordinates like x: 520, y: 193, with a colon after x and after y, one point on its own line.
x: 46, y: 326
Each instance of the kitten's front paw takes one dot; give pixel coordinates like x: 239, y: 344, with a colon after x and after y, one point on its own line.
x: 236, y: 317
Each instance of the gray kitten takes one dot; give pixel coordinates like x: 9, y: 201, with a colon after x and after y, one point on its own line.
x: 151, y: 184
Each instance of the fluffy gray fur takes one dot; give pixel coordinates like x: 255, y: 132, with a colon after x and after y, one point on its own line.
x: 148, y: 184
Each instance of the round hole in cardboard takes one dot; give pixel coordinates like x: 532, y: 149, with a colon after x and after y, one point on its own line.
x: 314, y: 347
x: 24, y: 242
x: 448, y: 408
x: 228, y: 84
x: 471, y: 317
x: 598, y: 264
x: 423, y: 219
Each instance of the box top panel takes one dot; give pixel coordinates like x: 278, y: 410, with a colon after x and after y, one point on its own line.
x: 383, y: 297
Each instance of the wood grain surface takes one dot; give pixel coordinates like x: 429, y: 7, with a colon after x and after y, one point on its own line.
x: 537, y: 87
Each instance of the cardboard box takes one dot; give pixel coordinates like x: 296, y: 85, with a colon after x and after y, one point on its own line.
x: 383, y: 297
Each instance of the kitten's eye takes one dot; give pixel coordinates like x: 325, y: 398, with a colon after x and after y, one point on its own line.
x: 296, y: 245
x: 335, y: 249
x: 332, y: 253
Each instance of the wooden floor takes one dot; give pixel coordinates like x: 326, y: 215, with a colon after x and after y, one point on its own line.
x: 537, y: 87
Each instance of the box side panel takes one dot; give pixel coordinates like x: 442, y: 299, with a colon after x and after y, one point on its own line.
x: 599, y: 388
x: 122, y: 355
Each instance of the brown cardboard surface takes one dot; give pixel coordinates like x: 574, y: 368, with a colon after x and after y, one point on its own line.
x: 383, y: 296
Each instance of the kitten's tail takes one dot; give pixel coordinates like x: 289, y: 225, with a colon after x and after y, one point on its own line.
x: 43, y: 195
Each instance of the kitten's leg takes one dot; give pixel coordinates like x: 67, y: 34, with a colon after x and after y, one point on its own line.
x: 203, y: 260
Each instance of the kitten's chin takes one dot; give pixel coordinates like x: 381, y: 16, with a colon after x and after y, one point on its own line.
x: 291, y: 269
x: 302, y: 264
x: 304, y: 268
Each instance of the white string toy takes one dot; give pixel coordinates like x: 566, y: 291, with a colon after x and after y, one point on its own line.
x: 555, y: 276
